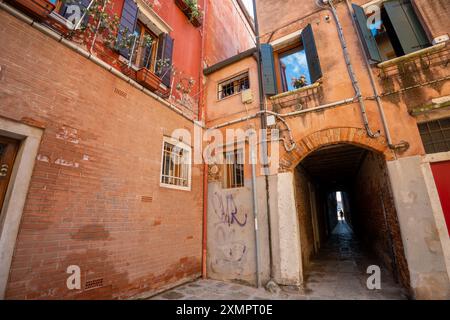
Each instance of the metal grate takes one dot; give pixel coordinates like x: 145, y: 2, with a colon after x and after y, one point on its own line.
x: 436, y: 135
x: 92, y: 284
x: 234, y: 86
x: 175, y: 170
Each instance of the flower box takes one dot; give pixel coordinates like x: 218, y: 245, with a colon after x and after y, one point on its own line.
x: 196, y: 21
x: 38, y: 8
x: 148, y: 79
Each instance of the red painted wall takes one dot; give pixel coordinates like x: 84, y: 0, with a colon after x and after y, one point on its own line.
x: 441, y: 172
x: 187, y: 41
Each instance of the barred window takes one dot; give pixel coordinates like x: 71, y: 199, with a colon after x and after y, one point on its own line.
x: 436, y: 135
x: 234, y: 169
x: 234, y: 86
x: 176, y: 165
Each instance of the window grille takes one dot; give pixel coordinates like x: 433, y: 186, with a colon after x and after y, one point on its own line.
x: 234, y: 86
x: 175, y: 166
x: 234, y: 169
x: 436, y: 135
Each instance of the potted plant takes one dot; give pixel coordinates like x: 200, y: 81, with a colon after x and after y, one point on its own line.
x: 300, y: 82
x: 38, y: 8
x: 192, y: 10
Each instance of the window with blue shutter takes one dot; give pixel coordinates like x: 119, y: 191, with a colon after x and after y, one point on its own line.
x: 366, y: 35
x: 164, y: 59
x: 406, y: 25
x: 128, y: 21
x: 399, y: 31
x: 312, y: 57
x: 268, y: 70
x: 300, y: 66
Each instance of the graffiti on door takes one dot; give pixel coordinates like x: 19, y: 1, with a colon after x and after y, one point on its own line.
x: 227, y: 211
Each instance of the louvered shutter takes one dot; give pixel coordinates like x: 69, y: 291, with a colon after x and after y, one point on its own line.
x: 407, y: 26
x: 312, y: 57
x: 268, y: 70
x: 165, y: 51
x: 366, y: 36
x: 128, y: 22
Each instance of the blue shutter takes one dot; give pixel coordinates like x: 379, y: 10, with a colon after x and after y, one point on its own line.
x: 407, y: 26
x: 312, y: 56
x: 165, y: 52
x: 366, y: 35
x: 83, y: 4
x: 128, y: 22
x: 268, y: 70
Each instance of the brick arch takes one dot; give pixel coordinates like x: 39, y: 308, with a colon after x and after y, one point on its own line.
x: 348, y: 135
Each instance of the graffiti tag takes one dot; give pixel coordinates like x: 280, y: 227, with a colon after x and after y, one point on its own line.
x: 228, y: 213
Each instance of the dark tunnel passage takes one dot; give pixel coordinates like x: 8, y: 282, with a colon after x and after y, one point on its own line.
x: 348, y: 221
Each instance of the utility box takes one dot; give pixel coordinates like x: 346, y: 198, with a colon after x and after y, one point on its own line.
x: 247, y: 96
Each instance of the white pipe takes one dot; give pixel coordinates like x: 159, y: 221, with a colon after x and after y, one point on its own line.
x: 52, y: 34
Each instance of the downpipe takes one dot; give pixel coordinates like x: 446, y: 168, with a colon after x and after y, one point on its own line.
x: 403, y: 145
x: 351, y: 72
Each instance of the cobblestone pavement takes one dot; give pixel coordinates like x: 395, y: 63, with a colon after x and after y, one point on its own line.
x: 338, y: 272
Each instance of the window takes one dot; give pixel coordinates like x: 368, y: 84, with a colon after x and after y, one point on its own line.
x: 399, y: 31
x: 176, y: 165
x: 234, y: 169
x: 294, y: 69
x: 436, y: 135
x: 298, y: 64
x: 143, y: 55
x: 234, y: 86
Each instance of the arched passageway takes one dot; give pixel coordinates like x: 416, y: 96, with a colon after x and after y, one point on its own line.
x: 348, y: 222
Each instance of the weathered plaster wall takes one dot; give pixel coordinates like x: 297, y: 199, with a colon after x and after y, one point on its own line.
x: 231, y: 233
x: 227, y: 31
x: 287, y: 256
x: 423, y: 248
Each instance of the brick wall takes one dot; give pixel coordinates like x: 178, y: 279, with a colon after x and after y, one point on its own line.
x: 376, y: 226
x: 98, y: 164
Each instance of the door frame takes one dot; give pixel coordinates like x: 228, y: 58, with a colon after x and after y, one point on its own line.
x: 16, y: 194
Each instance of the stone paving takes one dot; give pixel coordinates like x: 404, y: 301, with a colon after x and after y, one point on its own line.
x: 338, y: 272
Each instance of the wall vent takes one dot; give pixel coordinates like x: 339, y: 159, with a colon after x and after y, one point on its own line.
x: 93, y: 284
x: 146, y: 199
x: 120, y: 92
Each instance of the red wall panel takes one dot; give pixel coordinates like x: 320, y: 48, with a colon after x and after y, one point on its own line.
x: 441, y: 172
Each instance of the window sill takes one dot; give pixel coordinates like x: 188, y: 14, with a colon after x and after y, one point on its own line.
x: 411, y: 56
x: 174, y: 187
x: 293, y: 92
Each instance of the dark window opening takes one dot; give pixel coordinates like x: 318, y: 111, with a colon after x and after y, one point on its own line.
x: 396, y: 33
x: 234, y: 86
x: 234, y: 169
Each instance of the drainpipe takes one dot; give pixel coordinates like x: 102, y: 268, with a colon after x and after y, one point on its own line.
x: 402, y: 144
x: 263, y: 110
x: 351, y: 72
x: 253, y: 158
x: 202, y: 116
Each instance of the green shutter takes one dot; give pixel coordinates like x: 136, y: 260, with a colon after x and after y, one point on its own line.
x: 268, y: 70
x: 407, y: 26
x: 312, y: 57
x: 366, y: 35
